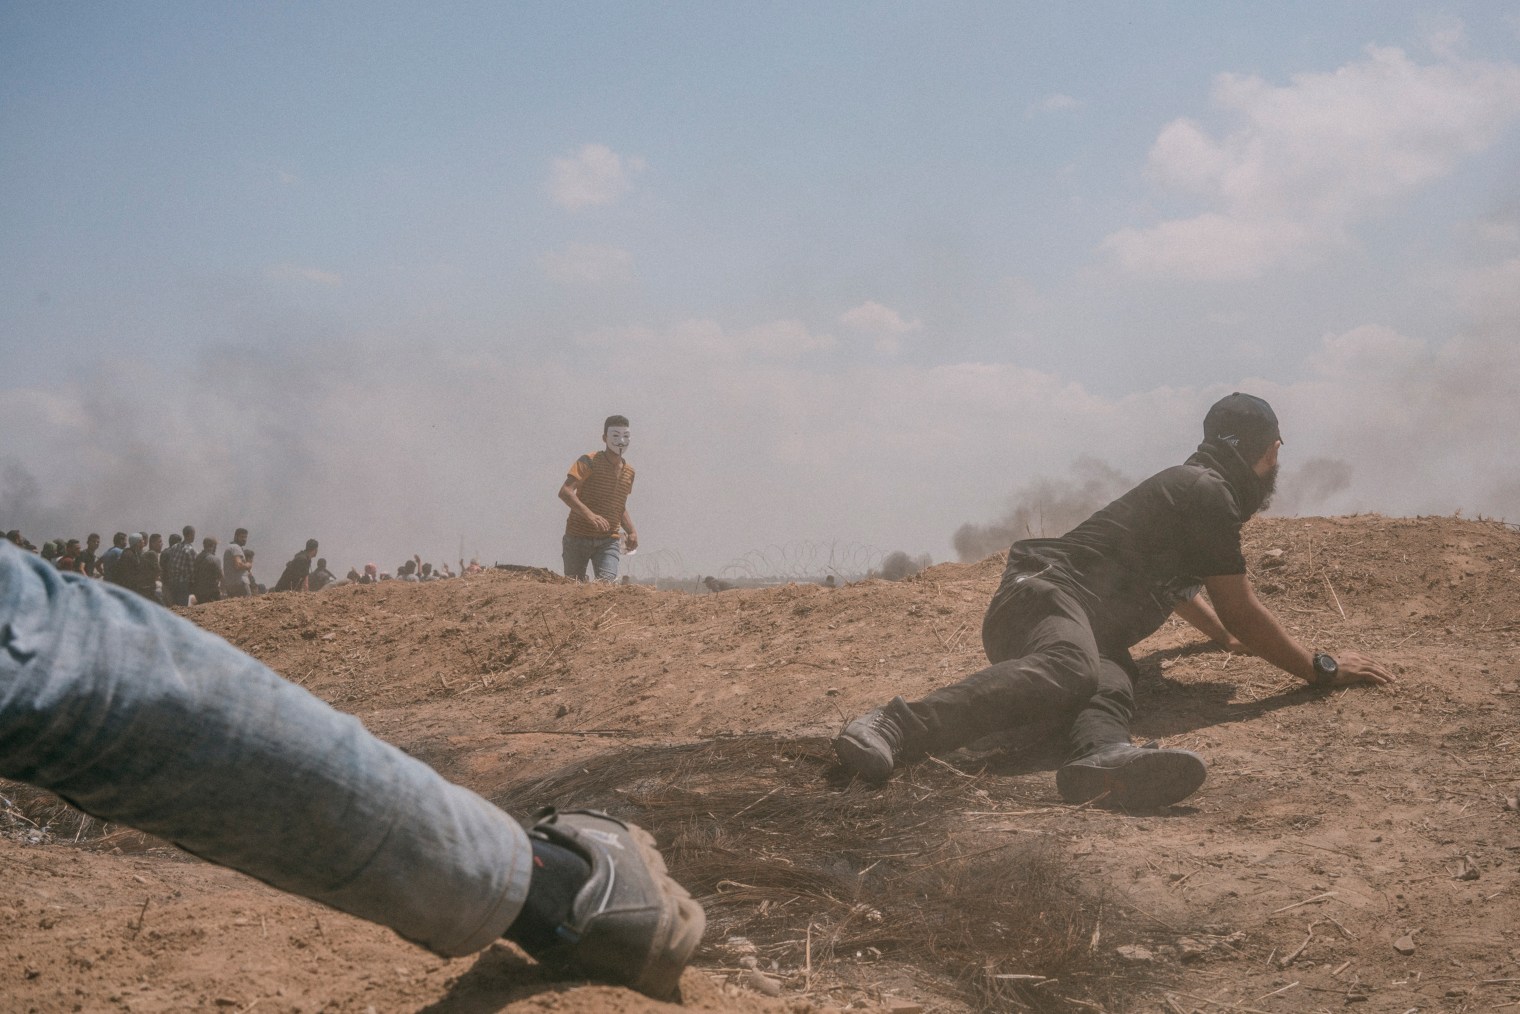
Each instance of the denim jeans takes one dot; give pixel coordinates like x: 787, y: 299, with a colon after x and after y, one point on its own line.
x: 602, y: 553
x: 142, y: 718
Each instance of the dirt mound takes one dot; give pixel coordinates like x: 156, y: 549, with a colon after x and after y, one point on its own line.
x: 1336, y: 831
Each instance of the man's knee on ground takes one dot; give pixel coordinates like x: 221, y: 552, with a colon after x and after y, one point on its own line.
x: 1071, y: 666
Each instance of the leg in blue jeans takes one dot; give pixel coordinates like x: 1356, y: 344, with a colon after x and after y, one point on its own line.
x: 140, y: 717
x: 602, y: 554
x: 604, y: 561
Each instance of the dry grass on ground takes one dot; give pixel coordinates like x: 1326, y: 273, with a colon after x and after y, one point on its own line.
x: 1360, y: 847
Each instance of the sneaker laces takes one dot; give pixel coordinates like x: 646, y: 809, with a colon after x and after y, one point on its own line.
x: 887, y: 725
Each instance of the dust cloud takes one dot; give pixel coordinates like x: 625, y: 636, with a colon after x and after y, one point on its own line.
x: 1311, y: 487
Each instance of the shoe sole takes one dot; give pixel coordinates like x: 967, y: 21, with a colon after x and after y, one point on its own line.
x: 861, y: 759
x: 682, y: 923
x: 1148, y: 780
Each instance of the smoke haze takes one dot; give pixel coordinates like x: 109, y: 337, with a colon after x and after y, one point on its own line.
x: 1045, y: 508
x: 1306, y: 490
x: 380, y: 448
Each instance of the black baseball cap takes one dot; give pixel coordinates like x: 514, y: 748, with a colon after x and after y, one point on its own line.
x: 1244, y: 421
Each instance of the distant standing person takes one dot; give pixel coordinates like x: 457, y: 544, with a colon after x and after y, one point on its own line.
x: 150, y: 568
x: 179, y: 568
x: 88, y: 560
x: 235, y: 566
x: 124, y: 571
x: 112, y: 556
x: 596, y: 490
x: 206, y: 585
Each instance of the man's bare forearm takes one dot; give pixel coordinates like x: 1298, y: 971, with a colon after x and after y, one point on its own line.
x: 567, y: 493
x: 1243, y: 615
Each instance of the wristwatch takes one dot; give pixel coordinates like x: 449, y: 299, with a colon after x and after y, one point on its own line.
x: 1325, y: 670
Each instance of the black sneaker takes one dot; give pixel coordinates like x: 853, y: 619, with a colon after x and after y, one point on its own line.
x: 630, y: 924
x: 871, y: 745
x: 1132, y: 777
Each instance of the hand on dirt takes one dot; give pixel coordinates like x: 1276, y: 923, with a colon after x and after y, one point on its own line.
x: 1235, y: 646
x: 1358, y: 668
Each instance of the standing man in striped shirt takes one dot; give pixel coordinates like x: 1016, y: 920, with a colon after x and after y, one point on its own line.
x: 596, y: 490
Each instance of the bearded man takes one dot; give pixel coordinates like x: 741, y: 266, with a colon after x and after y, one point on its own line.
x: 1060, y: 626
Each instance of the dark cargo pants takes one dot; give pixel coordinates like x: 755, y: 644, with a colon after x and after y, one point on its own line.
x: 1046, y: 668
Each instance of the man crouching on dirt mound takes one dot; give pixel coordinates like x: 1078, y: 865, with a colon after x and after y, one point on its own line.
x: 1060, y: 626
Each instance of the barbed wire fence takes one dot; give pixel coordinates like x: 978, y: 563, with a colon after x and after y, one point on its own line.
x: 776, y: 564
x: 804, y: 561
x: 657, y: 567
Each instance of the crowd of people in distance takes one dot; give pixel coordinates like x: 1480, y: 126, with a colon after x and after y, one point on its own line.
x: 179, y: 574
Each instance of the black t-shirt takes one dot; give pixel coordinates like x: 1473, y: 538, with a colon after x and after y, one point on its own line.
x: 127, y: 569
x: 207, y: 583
x: 294, y: 574
x: 1134, y: 560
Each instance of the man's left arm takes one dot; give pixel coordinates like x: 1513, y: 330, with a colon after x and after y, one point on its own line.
x: 633, y: 536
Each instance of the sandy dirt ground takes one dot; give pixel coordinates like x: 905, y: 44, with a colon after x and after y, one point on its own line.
x: 1357, y: 849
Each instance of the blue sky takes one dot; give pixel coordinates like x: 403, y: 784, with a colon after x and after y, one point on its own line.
x: 858, y: 272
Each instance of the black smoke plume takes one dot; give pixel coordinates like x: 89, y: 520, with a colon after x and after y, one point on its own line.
x: 1044, y: 508
x: 897, y: 565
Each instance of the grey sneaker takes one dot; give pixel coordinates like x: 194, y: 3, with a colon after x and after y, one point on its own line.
x: 630, y: 924
x: 871, y: 745
x: 1132, y: 777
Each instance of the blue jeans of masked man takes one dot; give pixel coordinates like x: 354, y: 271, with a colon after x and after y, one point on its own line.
x: 602, y: 554
x: 139, y: 717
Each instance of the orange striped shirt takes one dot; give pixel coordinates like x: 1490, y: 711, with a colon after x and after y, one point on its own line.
x: 604, y: 489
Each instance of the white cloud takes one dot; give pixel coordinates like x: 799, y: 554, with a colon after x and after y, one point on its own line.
x: 1307, y: 160
x: 1212, y: 246
x: 1364, y: 351
x: 299, y: 273
x: 588, y: 263
x: 593, y: 176
x: 881, y: 323
x: 874, y: 318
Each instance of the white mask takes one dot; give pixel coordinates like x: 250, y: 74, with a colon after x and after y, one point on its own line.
x: 617, y: 439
